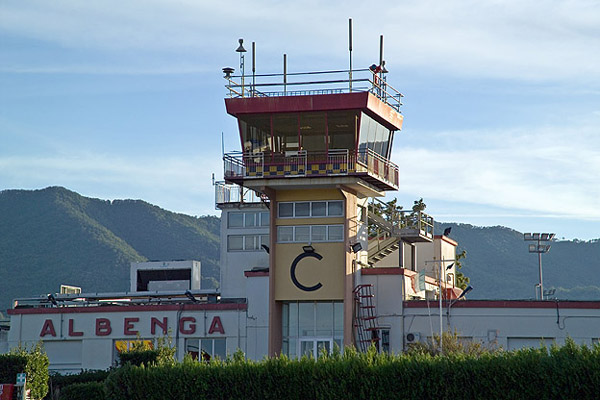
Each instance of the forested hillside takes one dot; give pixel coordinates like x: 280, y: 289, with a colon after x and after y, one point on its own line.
x: 54, y: 236
x: 500, y: 266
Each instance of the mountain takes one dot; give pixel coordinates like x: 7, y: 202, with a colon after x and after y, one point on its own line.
x: 54, y: 236
x: 500, y: 266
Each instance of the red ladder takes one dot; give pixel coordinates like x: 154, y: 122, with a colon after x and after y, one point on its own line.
x: 365, y: 319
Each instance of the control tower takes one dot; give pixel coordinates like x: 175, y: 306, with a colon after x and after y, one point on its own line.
x: 315, y: 147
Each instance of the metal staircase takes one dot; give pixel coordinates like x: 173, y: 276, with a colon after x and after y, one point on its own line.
x: 387, y: 233
x: 366, y: 331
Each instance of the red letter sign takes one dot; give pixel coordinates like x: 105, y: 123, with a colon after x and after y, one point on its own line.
x: 154, y: 321
x: 216, y: 326
x: 72, y: 329
x: 103, y: 327
x: 128, y: 326
x: 48, y: 328
x: 191, y: 329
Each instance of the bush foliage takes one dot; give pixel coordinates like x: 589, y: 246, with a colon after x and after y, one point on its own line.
x: 36, y: 368
x: 84, y: 391
x: 570, y: 371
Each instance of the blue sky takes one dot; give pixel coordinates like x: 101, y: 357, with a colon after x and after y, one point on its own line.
x: 124, y: 99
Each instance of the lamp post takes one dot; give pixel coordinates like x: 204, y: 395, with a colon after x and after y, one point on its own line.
x: 540, y: 247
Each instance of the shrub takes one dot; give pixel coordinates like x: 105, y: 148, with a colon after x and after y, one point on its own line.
x: 57, y: 382
x: 10, y: 366
x: 84, y: 391
x: 36, y: 369
x: 570, y: 371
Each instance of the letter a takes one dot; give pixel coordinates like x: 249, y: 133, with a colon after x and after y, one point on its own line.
x: 216, y: 326
x: 48, y: 329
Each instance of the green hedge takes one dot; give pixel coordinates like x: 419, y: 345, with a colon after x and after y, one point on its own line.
x: 84, y: 391
x: 568, y: 372
x: 10, y: 366
x: 58, y: 382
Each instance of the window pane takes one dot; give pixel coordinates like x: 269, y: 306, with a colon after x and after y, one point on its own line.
x: 335, y: 208
x: 264, y: 239
x: 192, y: 347
x: 302, y: 209
x: 338, y: 320
x: 285, y: 320
x: 319, y: 233
x: 206, y: 346
x: 319, y: 208
x: 293, y: 323
x: 306, y: 319
x: 335, y: 233
x: 285, y: 132
x: 264, y: 219
x: 249, y: 219
x: 325, y: 319
x: 235, y: 243
x: 249, y: 242
x: 286, y: 210
x: 220, y: 349
x: 236, y: 219
x: 302, y: 234
x: 285, y: 234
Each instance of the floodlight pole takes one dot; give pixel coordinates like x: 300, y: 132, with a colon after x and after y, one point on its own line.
x: 539, y: 248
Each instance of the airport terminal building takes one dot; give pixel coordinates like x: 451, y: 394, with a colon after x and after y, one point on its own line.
x: 310, y: 258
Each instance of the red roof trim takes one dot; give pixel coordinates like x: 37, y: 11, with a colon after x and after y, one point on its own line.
x: 446, y: 239
x: 562, y: 304
x: 382, y: 271
x: 253, y: 274
x: 363, y: 101
x: 131, y: 308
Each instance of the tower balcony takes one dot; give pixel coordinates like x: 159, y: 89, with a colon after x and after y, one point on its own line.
x: 365, y: 164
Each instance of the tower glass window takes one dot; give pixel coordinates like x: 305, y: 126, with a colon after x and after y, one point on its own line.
x: 311, y: 327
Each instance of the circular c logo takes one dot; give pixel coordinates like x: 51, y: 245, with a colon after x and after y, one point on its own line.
x: 293, y: 271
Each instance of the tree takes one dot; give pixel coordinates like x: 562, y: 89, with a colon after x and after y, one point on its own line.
x: 461, y: 280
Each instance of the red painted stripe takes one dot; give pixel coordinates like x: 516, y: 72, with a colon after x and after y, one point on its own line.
x: 511, y: 304
x: 130, y: 308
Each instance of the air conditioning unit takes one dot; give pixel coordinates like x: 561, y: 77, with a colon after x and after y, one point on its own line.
x: 413, y: 337
x: 68, y: 289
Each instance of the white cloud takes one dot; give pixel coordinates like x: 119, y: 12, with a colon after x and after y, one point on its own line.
x: 181, y: 185
x: 526, y: 39
x: 547, y: 170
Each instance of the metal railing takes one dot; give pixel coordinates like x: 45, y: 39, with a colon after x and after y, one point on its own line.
x: 388, y: 219
x: 232, y: 193
x: 314, y: 83
x: 304, y: 163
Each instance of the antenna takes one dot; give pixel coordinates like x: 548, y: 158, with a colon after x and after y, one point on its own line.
x: 380, y: 49
x: 350, y: 51
x: 253, y: 66
x: 284, y: 74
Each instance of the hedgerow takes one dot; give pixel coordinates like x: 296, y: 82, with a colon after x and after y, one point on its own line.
x: 570, y: 372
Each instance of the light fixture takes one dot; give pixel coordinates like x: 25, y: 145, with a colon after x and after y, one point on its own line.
x: 356, y: 247
x: 228, y: 71
x: 241, y: 48
x: 464, y: 292
x: 52, y: 299
x: 449, y: 266
x: 265, y: 248
x: 308, y: 249
x: 191, y: 296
